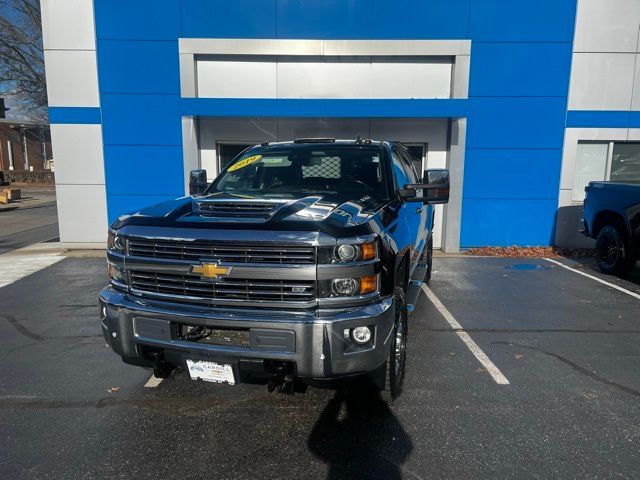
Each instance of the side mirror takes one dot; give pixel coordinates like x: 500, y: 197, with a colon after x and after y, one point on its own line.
x: 435, y: 186
x: 197, y: 182
x: 407, y: 193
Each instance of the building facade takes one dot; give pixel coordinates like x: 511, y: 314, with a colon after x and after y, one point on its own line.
x: 24, y: 146
x: 523, y: 101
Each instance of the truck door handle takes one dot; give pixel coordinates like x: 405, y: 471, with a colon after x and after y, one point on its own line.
x: 419, y: 210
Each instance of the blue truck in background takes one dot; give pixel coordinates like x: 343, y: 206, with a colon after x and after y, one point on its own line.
x: 612, y: 217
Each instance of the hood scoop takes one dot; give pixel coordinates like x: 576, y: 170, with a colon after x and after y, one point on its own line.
x: 235, y: 208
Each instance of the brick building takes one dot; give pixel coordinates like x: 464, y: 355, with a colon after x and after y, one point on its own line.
x: 24, y: 146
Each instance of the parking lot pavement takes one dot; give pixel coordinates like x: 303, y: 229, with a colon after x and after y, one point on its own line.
x: 27, y: 225
x: 568, y: 345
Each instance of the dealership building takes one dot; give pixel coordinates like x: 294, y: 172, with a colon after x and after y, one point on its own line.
x: 524, y: 102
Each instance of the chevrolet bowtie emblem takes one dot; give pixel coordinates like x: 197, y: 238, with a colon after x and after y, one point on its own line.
x: 210, y: 270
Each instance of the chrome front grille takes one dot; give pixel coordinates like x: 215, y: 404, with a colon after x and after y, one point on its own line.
x: 191, y: 288
x: 230, y: 253
x: 236, y: 209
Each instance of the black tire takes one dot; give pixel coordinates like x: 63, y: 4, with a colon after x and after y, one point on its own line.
x: 426, y: 259
x: 396, y: 364
x: 612, y: 252
x: 429, y: 260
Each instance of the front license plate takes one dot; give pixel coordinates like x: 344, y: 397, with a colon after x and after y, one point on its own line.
x: 211, y: 372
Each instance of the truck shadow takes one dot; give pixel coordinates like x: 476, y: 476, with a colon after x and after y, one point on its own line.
x: 358, y: 436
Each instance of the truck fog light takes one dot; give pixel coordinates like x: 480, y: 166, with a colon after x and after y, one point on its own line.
x: 347, y: 253
x: 344, y: 286
x: 361, y: 334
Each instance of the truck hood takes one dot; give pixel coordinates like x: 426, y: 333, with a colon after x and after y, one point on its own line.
x: 326, y: 212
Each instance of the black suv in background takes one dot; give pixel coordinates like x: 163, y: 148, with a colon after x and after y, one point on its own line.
x: 291, y: 268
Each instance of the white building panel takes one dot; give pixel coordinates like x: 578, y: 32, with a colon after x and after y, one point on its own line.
x: 72, y: 78
x: 83, y: 219
x: 411, y: 79
x: 607, y: 26
x: 635, y: 98
x: 236, y: 79
x: 324, y: 80
x: 601, y: 81
x: 78, y: 154
x: 68, y: 24
x: 309, y: 77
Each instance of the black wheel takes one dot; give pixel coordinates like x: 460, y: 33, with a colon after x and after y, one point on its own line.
x: 396, y: 364
x: 612, y: 252
x: 426, y: 260
x: 429, y: 260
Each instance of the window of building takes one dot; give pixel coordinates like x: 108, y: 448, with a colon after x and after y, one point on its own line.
x: 616, y: 161
x: 625, y: 162
x: 591, y: 164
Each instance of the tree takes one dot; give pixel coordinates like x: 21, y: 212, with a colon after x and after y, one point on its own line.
x: 22, y: 75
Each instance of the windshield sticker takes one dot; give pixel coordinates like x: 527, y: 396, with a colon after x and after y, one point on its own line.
x: 243, y: 163
x: 276, y: 162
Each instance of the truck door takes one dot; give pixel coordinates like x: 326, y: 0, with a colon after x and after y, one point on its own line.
x: 411, y: 213
x: 422, y: 211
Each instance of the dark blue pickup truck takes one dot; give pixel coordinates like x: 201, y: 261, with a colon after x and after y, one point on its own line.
x: 612, y: 217
x: 291, y: 268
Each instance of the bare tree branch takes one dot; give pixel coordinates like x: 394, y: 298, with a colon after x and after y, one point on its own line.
x: 22, y: 74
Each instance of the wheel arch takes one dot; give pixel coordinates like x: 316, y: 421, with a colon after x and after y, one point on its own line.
x: 610, y: 217
x: 401, y: 272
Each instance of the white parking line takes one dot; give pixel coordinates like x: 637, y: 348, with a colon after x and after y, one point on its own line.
x: 489, y: 366
x: 592, y: 277
x: 153, y: 382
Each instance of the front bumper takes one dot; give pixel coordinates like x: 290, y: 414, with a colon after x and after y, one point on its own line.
x: 313, y: 342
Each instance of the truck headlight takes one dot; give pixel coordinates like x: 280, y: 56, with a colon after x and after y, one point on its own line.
x: 115, y: 242
x: 347, y: 253
x: 351, y: 252
x: 116, y: 273
x: 344, y: 286
x: 347, y: 287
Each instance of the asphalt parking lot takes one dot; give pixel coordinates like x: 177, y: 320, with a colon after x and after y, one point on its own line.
x: 568, y: 346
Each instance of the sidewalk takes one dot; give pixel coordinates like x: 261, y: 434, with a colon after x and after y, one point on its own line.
x: 32, y: 196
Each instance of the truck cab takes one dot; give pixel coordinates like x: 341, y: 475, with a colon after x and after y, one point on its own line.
x: 291, y: 268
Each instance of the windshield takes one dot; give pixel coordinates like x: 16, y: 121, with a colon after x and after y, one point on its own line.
x: 305, y: 170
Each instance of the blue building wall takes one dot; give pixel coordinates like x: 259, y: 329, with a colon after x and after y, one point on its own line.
x: 520, y: 63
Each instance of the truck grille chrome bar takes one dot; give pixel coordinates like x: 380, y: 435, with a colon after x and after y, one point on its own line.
x: 199, y: 250
x: 184, y: 287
